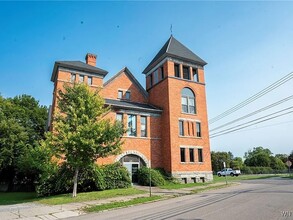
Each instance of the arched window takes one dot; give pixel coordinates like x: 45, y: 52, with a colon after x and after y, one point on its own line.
x: 188, y: 101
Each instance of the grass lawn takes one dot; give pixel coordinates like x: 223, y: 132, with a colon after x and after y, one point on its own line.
x: 288, y: 176
x: 216, y: 180
x: 244, y: 177
x: 21, y: 197
x: 211, y: 187
x: 88, y: 196
x: 16, y: 197
x: 180, y: 186
x: 98, y: 208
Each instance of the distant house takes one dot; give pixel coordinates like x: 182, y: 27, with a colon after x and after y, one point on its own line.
x: 167, y: 122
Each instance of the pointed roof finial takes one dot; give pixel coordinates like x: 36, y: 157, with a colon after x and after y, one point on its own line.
x: 171, y: 29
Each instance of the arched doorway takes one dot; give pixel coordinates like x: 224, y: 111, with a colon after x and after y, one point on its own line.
x: 132, y: 163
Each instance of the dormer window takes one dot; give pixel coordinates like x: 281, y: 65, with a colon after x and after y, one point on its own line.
x: 186, y: 74
x: 195, y: 75
x: 81, y: 78
x: 156, y: 77
x: 73, y: 77
x: 90, y: 80
x: 151, y: 79
x: 127, y: 95
x: 177, y: 70
x: 120, y: 94
x: 162, y: 72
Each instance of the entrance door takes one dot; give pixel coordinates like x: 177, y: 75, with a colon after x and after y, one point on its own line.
x: 132, y: 168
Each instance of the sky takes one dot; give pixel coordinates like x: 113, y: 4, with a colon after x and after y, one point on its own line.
x: 247, y: 45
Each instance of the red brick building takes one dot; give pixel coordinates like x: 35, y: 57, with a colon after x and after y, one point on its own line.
x: 167, y: 122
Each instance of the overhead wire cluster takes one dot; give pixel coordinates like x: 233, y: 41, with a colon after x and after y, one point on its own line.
x: 258, y: 120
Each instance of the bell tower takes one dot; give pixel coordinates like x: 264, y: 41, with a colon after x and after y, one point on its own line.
x: 175, y: 83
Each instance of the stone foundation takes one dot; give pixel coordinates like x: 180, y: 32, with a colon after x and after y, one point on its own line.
x: 194, y: 177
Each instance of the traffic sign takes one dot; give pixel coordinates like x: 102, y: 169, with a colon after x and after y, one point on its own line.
x: 288, y: 163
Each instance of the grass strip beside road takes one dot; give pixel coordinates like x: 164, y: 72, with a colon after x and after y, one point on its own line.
x: 89, y: 196
x: 245, y: 177
x: 8, y: 198
x: 224, y: 185
x: 171, y: 186
x: 217, y: 179
x: 113, y: 205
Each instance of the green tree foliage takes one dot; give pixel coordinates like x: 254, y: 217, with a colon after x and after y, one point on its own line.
x: 282, y: 157
x: 219, y: 157
x: 258, y: 157
x: 22, y: 126
x: 263, y: 157
x: 291, y: 158
x: 237, y: 163
x: 81, y: 134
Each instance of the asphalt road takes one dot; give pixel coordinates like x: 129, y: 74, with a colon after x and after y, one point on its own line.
x: 251, y: 200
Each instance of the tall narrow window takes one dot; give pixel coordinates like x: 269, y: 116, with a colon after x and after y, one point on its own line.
x: 119, y: 117
x: 156, y: 77
x: 81, y: 78
x: 143, y: 126
x: 89, y: 80
x: 182, y: 155
x: 198, y: 129
x: 191, y: 154
x: 151, y: 79
x: 162, y: 72
x: 195, y: 75
x: 131, y: 123
x: 186, y: 74
x: 120, y: 94
x: 127, y: 95
x: 73, y: 77
x: 177, y: 70
x: 200, y: 156
x: 181, y: 128
x: 188, y: 101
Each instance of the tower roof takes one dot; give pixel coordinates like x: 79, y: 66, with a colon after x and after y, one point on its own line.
x: 173, y: 48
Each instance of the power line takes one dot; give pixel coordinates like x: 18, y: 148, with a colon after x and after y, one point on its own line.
x: 255, y: 112
x: 253, y: 120
x: 266, y: 126
x: 254, y: 97
x: 237, y: 129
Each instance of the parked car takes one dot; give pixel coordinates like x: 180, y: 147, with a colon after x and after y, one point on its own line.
x: 229, y: 171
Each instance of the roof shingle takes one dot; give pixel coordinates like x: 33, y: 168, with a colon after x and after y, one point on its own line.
x: 77, y: 65
x: 173, y: 48
x: 132, y: 105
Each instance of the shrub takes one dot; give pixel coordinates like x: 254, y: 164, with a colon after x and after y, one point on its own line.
x: 157, y: 178
x: 116, y: 176
x: 60, y: 179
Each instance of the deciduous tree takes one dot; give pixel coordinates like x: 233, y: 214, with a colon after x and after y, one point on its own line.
x: 81, y: 134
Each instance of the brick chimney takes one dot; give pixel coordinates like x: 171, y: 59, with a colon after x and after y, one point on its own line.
x: 91, y: 59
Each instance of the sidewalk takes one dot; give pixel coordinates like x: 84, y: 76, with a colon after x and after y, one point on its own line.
x: 37, y: 211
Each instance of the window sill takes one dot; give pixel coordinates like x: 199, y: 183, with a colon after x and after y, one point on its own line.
x: 191, y: 163
x: 193, y: 137
x: 136, y: 137
x: 186, y: 113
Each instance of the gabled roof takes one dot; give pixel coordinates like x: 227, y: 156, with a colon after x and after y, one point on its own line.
x: 173, y: 48
x: 77, y: 65
x: 131, y: 77
x: 122, y: 104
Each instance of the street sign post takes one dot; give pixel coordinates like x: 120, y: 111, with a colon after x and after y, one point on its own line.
x: 224, y: 164
x: 289, y: 164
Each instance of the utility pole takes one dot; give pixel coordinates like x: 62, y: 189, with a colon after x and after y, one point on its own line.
x: 224, y: 164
